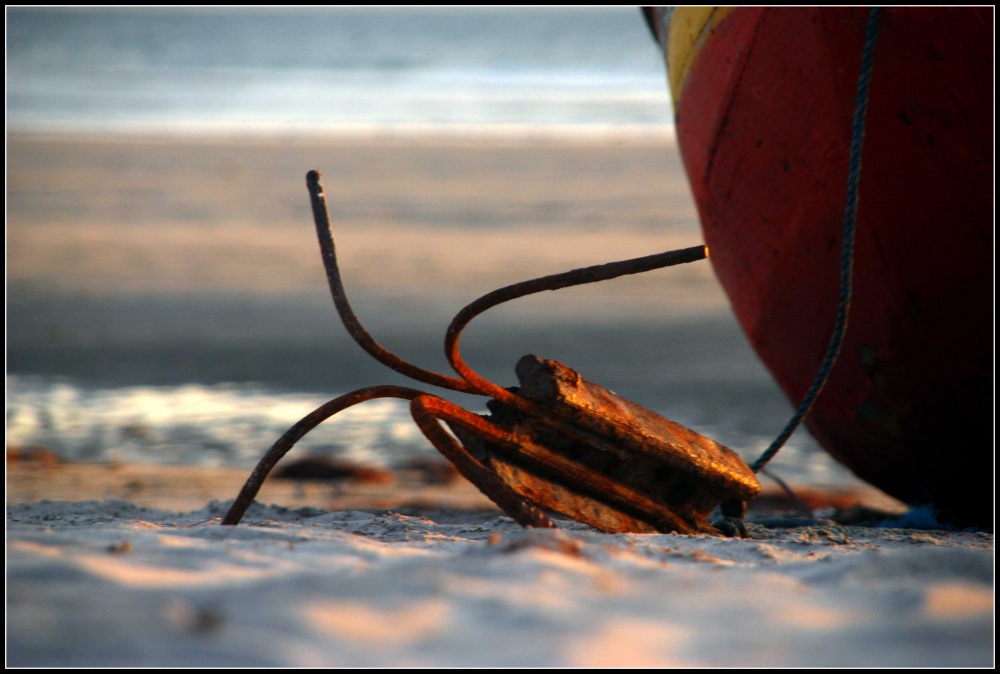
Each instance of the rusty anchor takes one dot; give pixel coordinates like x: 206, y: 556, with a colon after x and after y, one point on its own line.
x: 555, y: 443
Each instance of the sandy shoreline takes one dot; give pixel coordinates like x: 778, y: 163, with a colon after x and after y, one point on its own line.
x: 112, y: 582
x: 126, y: 565
x: 169, y: 261
x: 126, y: 216
x: 145, y: 261
x: 118, y: 242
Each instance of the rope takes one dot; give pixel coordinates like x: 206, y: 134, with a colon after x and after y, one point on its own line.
x: 846, y: 248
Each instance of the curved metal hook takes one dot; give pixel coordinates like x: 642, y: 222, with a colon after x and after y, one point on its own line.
x: 297, y: 432
x: 575, y: 277
x: 324, y: 233
x: 428, y: 411
x: 471, y: 381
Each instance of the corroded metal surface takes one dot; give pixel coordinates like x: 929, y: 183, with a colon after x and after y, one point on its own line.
x: 675, y: 476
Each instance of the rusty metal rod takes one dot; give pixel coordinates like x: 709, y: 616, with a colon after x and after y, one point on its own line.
x: 594, y: 274
x: 579, y: 478
x: 296, y: 433
x: 328, y: 250
x: 426, y: 411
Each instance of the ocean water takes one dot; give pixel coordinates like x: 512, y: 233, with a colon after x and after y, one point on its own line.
x: 298, y: 72
x: 309, y: 70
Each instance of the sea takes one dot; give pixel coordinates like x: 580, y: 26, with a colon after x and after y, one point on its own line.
x: 189, y: 71
x: 310, y: 69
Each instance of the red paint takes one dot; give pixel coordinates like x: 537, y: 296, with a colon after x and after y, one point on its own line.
x: 764, y: 126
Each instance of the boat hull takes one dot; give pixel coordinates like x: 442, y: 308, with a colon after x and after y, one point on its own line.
x: 764, y: 101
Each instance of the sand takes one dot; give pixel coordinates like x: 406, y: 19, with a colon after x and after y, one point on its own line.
x: 444, y: 580
x: 127, y: 564
x: 82, y: 212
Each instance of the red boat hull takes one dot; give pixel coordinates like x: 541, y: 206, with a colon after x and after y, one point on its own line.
x: 764, y: 113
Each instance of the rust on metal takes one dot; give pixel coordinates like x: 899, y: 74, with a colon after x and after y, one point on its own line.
x: 675, y: 477
x: 556, y: 443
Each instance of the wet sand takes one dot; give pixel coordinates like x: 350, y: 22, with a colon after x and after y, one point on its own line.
x: 412, y: 215
x: 146, y: 232
x: 167, y: 261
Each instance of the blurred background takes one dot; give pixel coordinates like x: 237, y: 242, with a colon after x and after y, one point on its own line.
x: 309, y: 70
x: 165, y: 300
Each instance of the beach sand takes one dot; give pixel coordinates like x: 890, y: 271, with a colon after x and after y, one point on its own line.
x: 118, y: 250
x: 432, y: 576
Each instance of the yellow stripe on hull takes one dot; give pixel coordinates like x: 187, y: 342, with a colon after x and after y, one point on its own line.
x: 690, y: 27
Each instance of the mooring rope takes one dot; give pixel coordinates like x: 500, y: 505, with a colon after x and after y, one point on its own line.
x: 846, y: 247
